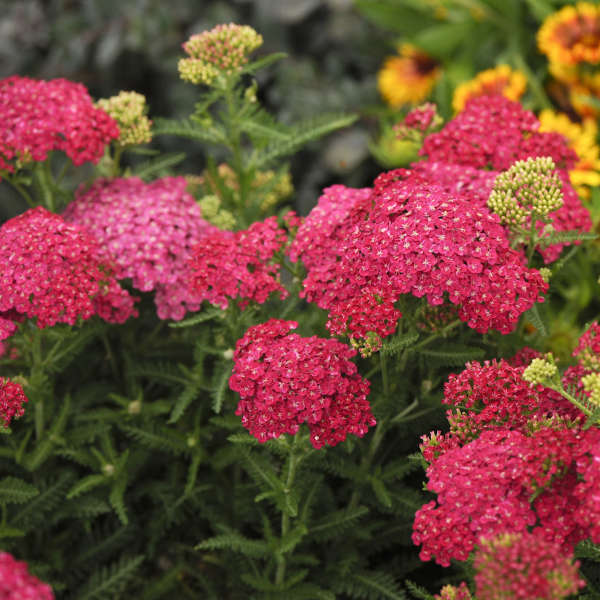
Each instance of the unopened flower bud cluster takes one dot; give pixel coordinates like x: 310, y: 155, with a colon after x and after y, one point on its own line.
x: 541, y: 370
x: 529, y: 187
x: 223, y: 49
x: 129, y: 109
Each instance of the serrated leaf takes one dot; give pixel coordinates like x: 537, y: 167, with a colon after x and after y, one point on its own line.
x: 534, y: 317
x: 455, y: 355
x: 336, y: 523
x: 106, y: 583
x: 201, y: 317
x: 16, y: 491
x: 188, y: 129
x: 236, y: 542
x: 399, y: 343
x: 86, y: 484
x: 261, y: 63
x: 380, y: 491
x: 292, y: 538
x: 153, y: 167
x: 563, y: 237
x: 220, y: 389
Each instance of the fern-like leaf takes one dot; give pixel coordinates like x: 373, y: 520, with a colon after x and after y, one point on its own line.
x: 452, y: 355
x: 106, y: 583
x: 417, y: 591
x: 157, y: 166
x: 399, y: 343
x: 16, y: 491
x: 237, y: 543
x: 535, y: 318
x: 299, y: 135
x: 371, y: 585
x: 201, y: 317
x: 564, y: 237
x: 157, y: 438
x: 335, y: 524
x: 188, y: 129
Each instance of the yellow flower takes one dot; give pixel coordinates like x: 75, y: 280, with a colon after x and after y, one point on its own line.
x: 582, y: 139
x: 572, y: 35
x: 407, y: 78
x: 500, y: 80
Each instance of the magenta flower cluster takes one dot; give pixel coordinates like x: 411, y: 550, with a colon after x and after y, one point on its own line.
x: 414, y: 238
x: 16, y: 583
x: 40, y: 116
x: 12, y: 398
x: 150, y: 229
x: 238, y: 266
x: 57, y: 273
x: 517, y: 459
x: 285, y: 380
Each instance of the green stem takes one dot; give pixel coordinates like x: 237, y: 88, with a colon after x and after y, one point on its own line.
x: 586, y: 411
x: 532, y: 242
x: 384, y: 375
x: 365, y: 464
x: 21, y: 190
x: 117, y: 160
x: 293, y: 462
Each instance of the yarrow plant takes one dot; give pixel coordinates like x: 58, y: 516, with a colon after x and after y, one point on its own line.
x: 246, y: 425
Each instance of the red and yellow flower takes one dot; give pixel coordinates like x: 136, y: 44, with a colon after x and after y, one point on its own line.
x: 407, y: 78
x: 499, y: 80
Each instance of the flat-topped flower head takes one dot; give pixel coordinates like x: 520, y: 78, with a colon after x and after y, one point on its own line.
x: 523, y: 566
x: 12, y: 398
x: 223, y: 49
x: 285, y: 380
x: 451, y: 592
x: 37, y: 117
x: 409, y: 77
x: 150, y: 230
x: 129, y: 110
x: 499, y: 80
x: 16, y: 583
x: 238, y: 266
x: 56, y: 272
x: 409, y: 237
x: 571, y: 35
x: 530, y: 188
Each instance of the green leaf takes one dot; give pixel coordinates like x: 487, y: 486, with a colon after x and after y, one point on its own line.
x: 157, y: 438
x: 207, y: 315
x: 220, y: 388
x: 16, y: 491
x: 300, y: 134
x: 540, y: 9
x: 380, y: 491
x: 10, y: 532
x: 237, y: 543
x: 534, y: 317
x: 441, y: 40
x: 261, y: 63
x: 398, y: 343
x: 292, y: 538
x: 188, y: 129
x: 336, y: 523
x: 86, y: 484
x: 455, y: 355
x: 564, y: 237
x: 158, y: 165
x: 393, y: 15
x: 106, y: 583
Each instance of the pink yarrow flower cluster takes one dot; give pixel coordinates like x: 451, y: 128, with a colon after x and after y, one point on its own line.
x: 411, y: 238
x: 149, y: 229
x: 55, y: 272
x: 40, y: 116
x: 228, y: 266
x: 524, y: 566
x: 490, y: 135
x: 12, y: 398
x: 517, y: 459
x: 285, y: 380
x: 16, y: 583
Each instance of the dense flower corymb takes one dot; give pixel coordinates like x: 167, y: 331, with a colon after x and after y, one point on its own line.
x: 56, y: 272
x: 409, y: 237
x: 16, y: 583
x: 12, y: 398
x: 129, y: 110
x: 40, y: 116
x: 524, y: 566
x: 227, y: 265
x: 149, y: 229
x: 285, y: 380
x: 225, y: 48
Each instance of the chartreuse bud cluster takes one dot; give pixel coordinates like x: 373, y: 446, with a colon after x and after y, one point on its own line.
x: 223, y: 49
x: 129, y: 110
x: 213, y: 213
x: 529, y: 188
x: 541, y: 371
x: 591, y: 384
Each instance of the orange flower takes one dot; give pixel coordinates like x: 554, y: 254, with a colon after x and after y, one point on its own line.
x: 581, y: 138
x: 500, y: 80
x: 572, y: 35
x: 407, y: 78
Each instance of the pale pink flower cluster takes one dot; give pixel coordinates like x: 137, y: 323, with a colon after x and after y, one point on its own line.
x: 150, y: 230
